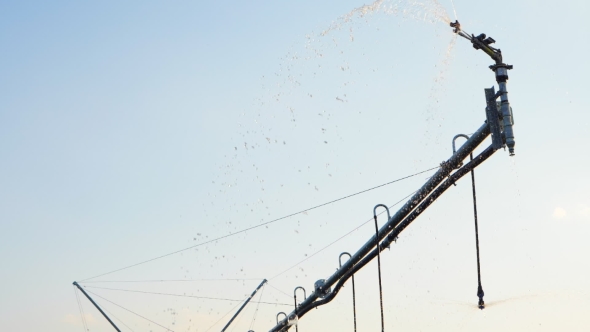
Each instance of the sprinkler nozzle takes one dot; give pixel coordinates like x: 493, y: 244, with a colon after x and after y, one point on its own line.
x: 456, y: 25
x: 481, y: 305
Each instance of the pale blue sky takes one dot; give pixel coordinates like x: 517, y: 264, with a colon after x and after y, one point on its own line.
x: 130, y: 130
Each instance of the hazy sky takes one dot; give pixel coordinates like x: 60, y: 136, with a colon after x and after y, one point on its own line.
x: 129, y: 130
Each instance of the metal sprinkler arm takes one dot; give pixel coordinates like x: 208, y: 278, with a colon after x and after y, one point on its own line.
x: 482, y: 42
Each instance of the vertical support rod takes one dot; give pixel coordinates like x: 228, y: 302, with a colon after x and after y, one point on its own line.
x: 96, y: 305
x: 379, y: 260
x: 379, y: 272
x: 295, y: 301
x: 243, y: 305
x: 480, y: 293
x: 353, y: 303
x: 353, y: 290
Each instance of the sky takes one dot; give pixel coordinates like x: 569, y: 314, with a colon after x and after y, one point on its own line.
x: 133, y: 130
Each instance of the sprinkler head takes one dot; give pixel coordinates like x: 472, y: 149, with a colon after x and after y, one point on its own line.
x: 511, y: 151
x: 456, y: 25
x: 480, y: 293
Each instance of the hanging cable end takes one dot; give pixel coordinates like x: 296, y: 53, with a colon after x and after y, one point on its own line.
x: 481, y: 304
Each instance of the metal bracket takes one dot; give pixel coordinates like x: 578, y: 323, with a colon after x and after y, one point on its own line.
x: 304, y: 293
x: 340, y: 257
x: 375, y: 215
x: 493, y: 118
x: 454, y: 148
x: 279, y: 315
x: 499, y: 94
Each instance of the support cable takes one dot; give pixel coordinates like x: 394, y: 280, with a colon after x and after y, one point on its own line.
x: 257, y: 306
x: 180, y: 295
x: 338, y: 239
x: 260, y: 225
x: 136, y: 314
x: 117, y: 318
x: 242, y: 307
x: 238, y: 320
x: 289, y: 296
x: 97, y: 306
x: 170, y: 280
x: 81, y: 310
x: 232, y: 309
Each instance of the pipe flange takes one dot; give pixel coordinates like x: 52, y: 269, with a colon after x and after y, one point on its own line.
x: 320, y: 289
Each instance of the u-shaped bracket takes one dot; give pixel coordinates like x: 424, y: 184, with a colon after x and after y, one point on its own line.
x: 378, y: 245
x: 383, y: 206
x: 454, y: 149
x: 375, y: 217
x: 295, y: 295
x: 340, y: 257
x: 295, y: 302
x: 279, y: 315
x: 353, y: 291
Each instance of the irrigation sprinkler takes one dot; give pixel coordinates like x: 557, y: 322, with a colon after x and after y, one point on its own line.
x: 482, y: 42
x: 499, y: 123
